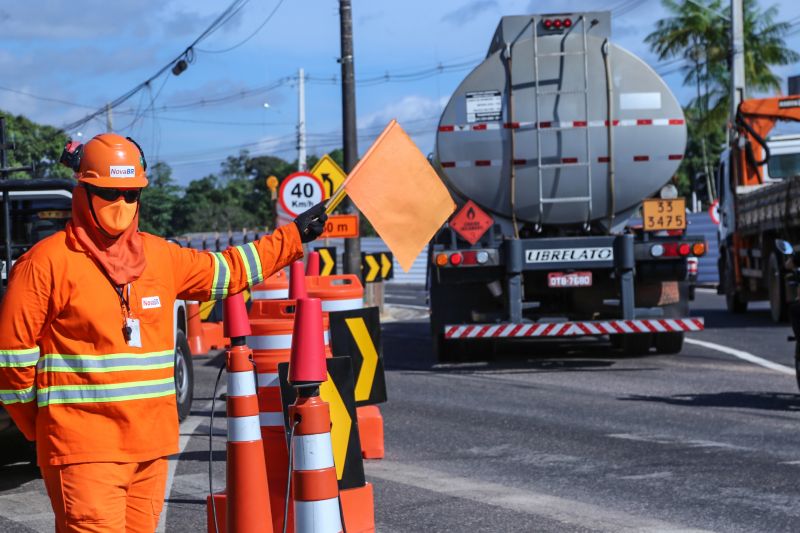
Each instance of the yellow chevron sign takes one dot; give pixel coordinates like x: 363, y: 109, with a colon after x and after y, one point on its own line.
x: 371, y: 269
x: 358, y: 329
x: 327, y: 260
x: 341, y: 423
x: 387, y: 265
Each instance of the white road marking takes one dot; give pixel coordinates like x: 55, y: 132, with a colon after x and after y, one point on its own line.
x: 745, y: 356
x: 187, y: 429
x: 705, y: 290
x: 518, y: 500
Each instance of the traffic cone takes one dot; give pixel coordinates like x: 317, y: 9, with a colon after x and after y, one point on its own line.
x: 248, y: 508
x: 195, y: 329
x: 312, y: 266
x: 297, y: 281
x: 314, y: 485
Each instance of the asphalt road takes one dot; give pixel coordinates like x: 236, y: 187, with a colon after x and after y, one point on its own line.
x: 549, y: 437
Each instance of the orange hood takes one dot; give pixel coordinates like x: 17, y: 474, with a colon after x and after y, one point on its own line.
x: 122, y: 258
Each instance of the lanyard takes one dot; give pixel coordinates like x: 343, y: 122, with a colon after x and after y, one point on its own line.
x: 125, y: 307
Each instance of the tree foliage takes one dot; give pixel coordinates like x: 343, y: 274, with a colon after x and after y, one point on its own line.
x: 696, y: 33
x: 35, y: 144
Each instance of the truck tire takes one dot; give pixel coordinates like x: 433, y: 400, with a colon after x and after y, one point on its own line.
x: 668, y: 343
x: 633, y: 344
x: 733, y: 300
x: 776, y: 290
x: 184, y: 376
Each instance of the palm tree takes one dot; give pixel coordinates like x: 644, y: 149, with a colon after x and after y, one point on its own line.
x: 698, y: 32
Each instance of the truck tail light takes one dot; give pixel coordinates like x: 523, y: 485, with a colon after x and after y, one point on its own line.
x: 567, y: 23
x: 699, y: 248
x: 482, y: 257
x: 548, y: 23
x: 656, y: 250
x: 557, y: 23
x: 470, y: 258
x: 456, y: 259
x: 684, y: 249
x: 441, y: 260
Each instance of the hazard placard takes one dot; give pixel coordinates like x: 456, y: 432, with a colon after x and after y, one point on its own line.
x: 299, y: 192
x: 471, y: 222
x: 338, y: 392
x: 330, y: 173
x: 344, y: 226
x: 327, y: 260
x: 357, y: 334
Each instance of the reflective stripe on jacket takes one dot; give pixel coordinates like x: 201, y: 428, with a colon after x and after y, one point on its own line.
x: 67, y: 375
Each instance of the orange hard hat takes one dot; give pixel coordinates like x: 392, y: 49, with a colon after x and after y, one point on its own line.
x: 112, y: 161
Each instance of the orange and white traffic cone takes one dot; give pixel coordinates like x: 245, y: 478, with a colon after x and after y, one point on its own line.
x: 248, y: 507
x: 314, y: 484
x: 312, y: 265
x: 194, y: 328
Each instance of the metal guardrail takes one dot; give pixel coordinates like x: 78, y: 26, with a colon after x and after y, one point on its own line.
x: 699, y: 224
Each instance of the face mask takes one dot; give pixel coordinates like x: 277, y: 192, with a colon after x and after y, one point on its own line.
x: 114, y: 216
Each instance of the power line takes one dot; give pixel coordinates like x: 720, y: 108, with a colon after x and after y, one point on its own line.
x: 258, y: 29
x: 188, y: 54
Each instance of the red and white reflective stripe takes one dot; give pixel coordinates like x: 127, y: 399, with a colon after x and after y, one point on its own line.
x: 572, y: 329
x: 640, y: 158
x: 276, y: 294
x: 562, y: 124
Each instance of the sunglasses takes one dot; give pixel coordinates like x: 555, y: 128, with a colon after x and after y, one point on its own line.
x: 109, y: 195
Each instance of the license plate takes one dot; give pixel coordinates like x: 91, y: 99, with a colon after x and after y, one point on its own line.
x: 658, y: 214
x: 557, y: 280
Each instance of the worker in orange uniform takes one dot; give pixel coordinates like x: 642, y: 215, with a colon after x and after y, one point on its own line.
x: 87, y: 340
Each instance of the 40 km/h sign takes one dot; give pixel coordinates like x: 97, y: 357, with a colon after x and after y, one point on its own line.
x: 299, y: 192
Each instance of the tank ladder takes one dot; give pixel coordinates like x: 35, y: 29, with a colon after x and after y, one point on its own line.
x: 587, y: 164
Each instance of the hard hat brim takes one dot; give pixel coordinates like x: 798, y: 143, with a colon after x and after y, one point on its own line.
x: 115, y: 183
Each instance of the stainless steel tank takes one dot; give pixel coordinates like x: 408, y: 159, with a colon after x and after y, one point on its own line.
x: 537, y: 107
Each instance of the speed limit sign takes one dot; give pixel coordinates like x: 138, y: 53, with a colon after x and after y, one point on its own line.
x: 299, y: 192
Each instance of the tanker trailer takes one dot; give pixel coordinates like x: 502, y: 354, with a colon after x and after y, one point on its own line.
x: 559, y: 149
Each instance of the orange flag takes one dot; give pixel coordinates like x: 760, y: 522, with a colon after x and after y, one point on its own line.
x: 398, y: 191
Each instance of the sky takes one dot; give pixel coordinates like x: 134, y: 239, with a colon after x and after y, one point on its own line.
x: 62, y: 60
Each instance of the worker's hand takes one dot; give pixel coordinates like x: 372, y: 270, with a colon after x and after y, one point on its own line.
x: 311, y: 224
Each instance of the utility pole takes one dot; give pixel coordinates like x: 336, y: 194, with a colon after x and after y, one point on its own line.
x: 738, y: 82
x: 109, y: 118
x: 352, y: 247
x: 301, y: 121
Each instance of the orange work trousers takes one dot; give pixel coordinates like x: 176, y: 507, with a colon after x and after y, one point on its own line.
x: 107, y: 497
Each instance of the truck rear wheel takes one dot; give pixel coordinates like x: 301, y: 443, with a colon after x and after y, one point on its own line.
x: 776, y: 290
x: 733, y: 300
x: 668, y: 343
x: 633, y: 344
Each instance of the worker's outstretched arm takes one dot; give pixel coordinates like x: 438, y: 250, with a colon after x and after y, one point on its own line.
x: 23, y: 313
x: 214, y: 275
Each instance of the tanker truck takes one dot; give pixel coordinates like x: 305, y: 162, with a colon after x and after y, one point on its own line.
x: 559, y: 149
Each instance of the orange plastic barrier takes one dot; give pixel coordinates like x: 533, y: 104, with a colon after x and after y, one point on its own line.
x: 338, y: 293
x: 276, y: 287
x: 271, y: 342
x: 370, y: 430
x: 358, y: 509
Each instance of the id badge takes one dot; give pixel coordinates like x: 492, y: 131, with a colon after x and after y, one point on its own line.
x: 135, y: 339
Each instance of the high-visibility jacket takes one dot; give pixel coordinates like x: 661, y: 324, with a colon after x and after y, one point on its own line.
x: 69, y: 378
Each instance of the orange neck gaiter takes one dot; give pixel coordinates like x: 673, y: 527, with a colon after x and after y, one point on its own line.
x: 121, y: 257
